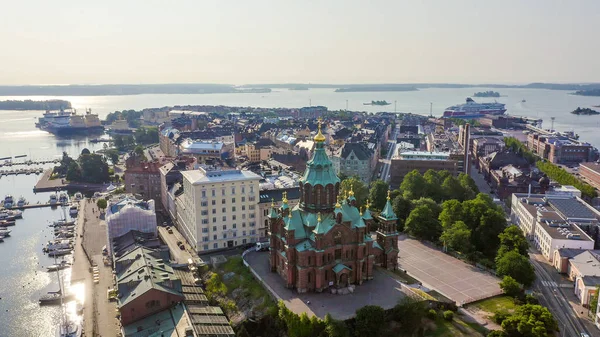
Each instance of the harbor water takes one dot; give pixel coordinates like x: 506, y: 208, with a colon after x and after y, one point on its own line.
x: 23, y: 278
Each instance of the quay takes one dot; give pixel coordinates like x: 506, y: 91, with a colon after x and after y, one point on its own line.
x: 28, y: 206
x: 45, y: 184
x: 30, y: 162
x: 21, y: 171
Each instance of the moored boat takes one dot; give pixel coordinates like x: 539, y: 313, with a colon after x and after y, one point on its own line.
x: 472, y: 109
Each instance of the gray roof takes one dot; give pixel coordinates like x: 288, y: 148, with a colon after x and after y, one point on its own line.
x: 591, y: 280
x: 587, y: 264
x: 572, y: 208
x: 361, y: 150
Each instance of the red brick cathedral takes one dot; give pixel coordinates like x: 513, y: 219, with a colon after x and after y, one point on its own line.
x: 324, y: 241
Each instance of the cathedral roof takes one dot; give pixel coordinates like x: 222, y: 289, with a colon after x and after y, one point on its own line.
x: 388, y: 210
x: 376, y: 245
x: 339, y: 267
x: 319, y: 169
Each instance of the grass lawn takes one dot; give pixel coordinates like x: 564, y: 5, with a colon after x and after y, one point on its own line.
x: 499, y: 303
x: 456, y: 328
x: 244, y: 279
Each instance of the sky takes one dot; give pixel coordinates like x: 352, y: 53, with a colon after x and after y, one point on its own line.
x: 303, y: 41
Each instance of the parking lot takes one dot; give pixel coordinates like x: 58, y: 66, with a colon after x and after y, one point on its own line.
x: 447, y: 275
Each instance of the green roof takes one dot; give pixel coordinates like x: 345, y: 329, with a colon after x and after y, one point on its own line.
x: 319, y: 169
x: 388, y: 212
x: 339, y: 267
x: 273, y: 214
x: 367, y: 215
x: 304, y: 245
x: 326, y: 224
x: 376, y: 245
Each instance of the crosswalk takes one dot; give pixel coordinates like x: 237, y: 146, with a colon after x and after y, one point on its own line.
x: 550, y: 284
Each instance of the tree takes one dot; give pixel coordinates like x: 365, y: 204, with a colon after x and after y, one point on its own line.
x: 530, y: 320
x: 510, y: 286
x: 361, y: 192
x: 113, y: 155
x: 102, y: 203
x: 409, y: 313
x: 335, y: 328
x: 434, y: 185
x: 368, y: 321
x: 452, y: 189
x: 139, y: 150
x: 378, y: 194
x: 452, y: 212
x: 512, y: 239
x: 422, y: 224
x: 73, y: 172
x: 413, y: 185
x: 402, y: 208
x: 433, y: 206
x: 485, y: 237
x: 457, y: 237
x: 497, y: 333
x: 85, y: 151
x: 94, y: 168
x: 469, y: 185
x: 516, y: 266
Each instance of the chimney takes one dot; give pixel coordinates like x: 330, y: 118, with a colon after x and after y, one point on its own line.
x: 529, y: 191
x: 467, y: 140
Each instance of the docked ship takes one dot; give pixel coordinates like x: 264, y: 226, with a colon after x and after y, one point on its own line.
x: 471, y: 109
x: 68, y: 121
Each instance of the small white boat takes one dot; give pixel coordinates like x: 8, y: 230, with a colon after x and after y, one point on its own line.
x: 73, y: 211
x: 5, y: 232
x: 8, y: 201
x: 58, y: 266
x: 69, y: 329
x: 59, y: 252
x: 111, y: 187
x: 63, y: 198
x: 78, y: 196
x: 21, y: 202
x: 53, y: 199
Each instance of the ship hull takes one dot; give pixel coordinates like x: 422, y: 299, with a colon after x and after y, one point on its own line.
x: 74, y: 131
x: 463, y: 114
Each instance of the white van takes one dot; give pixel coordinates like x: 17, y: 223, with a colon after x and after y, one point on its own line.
x: 262, y: 246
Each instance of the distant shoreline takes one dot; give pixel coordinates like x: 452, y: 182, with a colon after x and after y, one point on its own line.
x: 24, y: 105
x: 198, y: 88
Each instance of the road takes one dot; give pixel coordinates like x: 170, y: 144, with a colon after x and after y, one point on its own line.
x: 554, y: 297
x: 385, y: 172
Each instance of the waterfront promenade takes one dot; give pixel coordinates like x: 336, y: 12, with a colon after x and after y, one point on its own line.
x: 99, y: 313
x: 45, y: 184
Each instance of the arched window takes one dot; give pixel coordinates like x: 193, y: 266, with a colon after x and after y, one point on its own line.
x: 307, y: 194
x: 318, y: 192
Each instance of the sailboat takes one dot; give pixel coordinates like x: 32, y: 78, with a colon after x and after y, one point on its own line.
x: 67, y: 326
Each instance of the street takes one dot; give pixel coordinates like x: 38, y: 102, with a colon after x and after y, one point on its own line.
x: 554, y: 297
x: 385, y: 172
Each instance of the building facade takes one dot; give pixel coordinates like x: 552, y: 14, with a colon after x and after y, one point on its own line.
x: 406, y: 161
x: 218, y: 208
x: 354, y: 159
x: 560, y: 150
x: 143, y: 178
x: 323, y: 241
x: 591, y: 172
x: 128, y: 213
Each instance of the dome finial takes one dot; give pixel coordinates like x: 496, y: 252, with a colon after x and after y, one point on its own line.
x: 319, y: 217
x: 351, y: 191
x: 388, y: 197
x: 319, y: 137
x: 367, y: 204
x: 337, y: 204
x: 273, y: 202
x: 284, y: 199
x: 360, y: 211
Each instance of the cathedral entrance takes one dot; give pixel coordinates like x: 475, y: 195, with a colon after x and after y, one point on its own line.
x: 343, y: 282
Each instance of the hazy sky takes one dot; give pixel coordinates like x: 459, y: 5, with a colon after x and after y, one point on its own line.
x: 325, y: 41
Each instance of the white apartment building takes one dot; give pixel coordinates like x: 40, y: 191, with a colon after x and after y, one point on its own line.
x: 128, y: 213
x: 553, y: 221
x: 218, y: 208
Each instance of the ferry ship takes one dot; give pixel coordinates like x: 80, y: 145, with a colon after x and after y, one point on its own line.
x: 471, y: 109
x: 65, y: 122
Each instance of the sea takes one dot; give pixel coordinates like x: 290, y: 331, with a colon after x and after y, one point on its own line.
x: 22, y: 273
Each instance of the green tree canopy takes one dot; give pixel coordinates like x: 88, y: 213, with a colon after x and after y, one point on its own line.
x: 433, y: 206
x: 102, y: 203
x: 422, y: 224
x: 457, y: 237
x: 409, y: 312
x: 368, y: 321
x: 413, y: 185
x: 452, y: 189
x: 452, y: 211
x: 512, y: 239
x: 434, y: 185
x: 361, y: 192
x: 510, y: 286
x: 516, y: 266
x: 530, y: 320
x: 139, y: 150
x: 94, y: 168
x: 402, y: 207
x: 378, y: 194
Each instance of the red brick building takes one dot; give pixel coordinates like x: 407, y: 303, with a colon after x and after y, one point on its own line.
x: 143, y: 178
x: 324, y: 241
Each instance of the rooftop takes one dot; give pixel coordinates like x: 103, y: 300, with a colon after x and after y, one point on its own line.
x: 572, y: 208
x: 195, y: 146
x: 587, y: 264
x: 203, y: 176
x: 421, y: 155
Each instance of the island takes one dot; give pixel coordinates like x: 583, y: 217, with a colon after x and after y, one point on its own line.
x: 53, y: 104
x: 488, y: 93
x: 377, y: 103
x: 376, y: 88
x: 585, y: 111
x: 587, y: 92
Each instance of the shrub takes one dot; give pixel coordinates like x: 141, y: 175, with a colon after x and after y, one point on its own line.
x: 530, y: 299
x: 431, y: 314
x: 448, y: 315
x: 500, y: 316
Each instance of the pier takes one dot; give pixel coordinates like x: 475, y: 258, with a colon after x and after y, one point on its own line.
x: 29, y: 162
x: 28, y: 206
x: 17, y: 172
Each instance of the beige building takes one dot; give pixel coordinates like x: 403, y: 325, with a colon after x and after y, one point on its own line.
x: 406, y: 161
x: 218, y: 209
